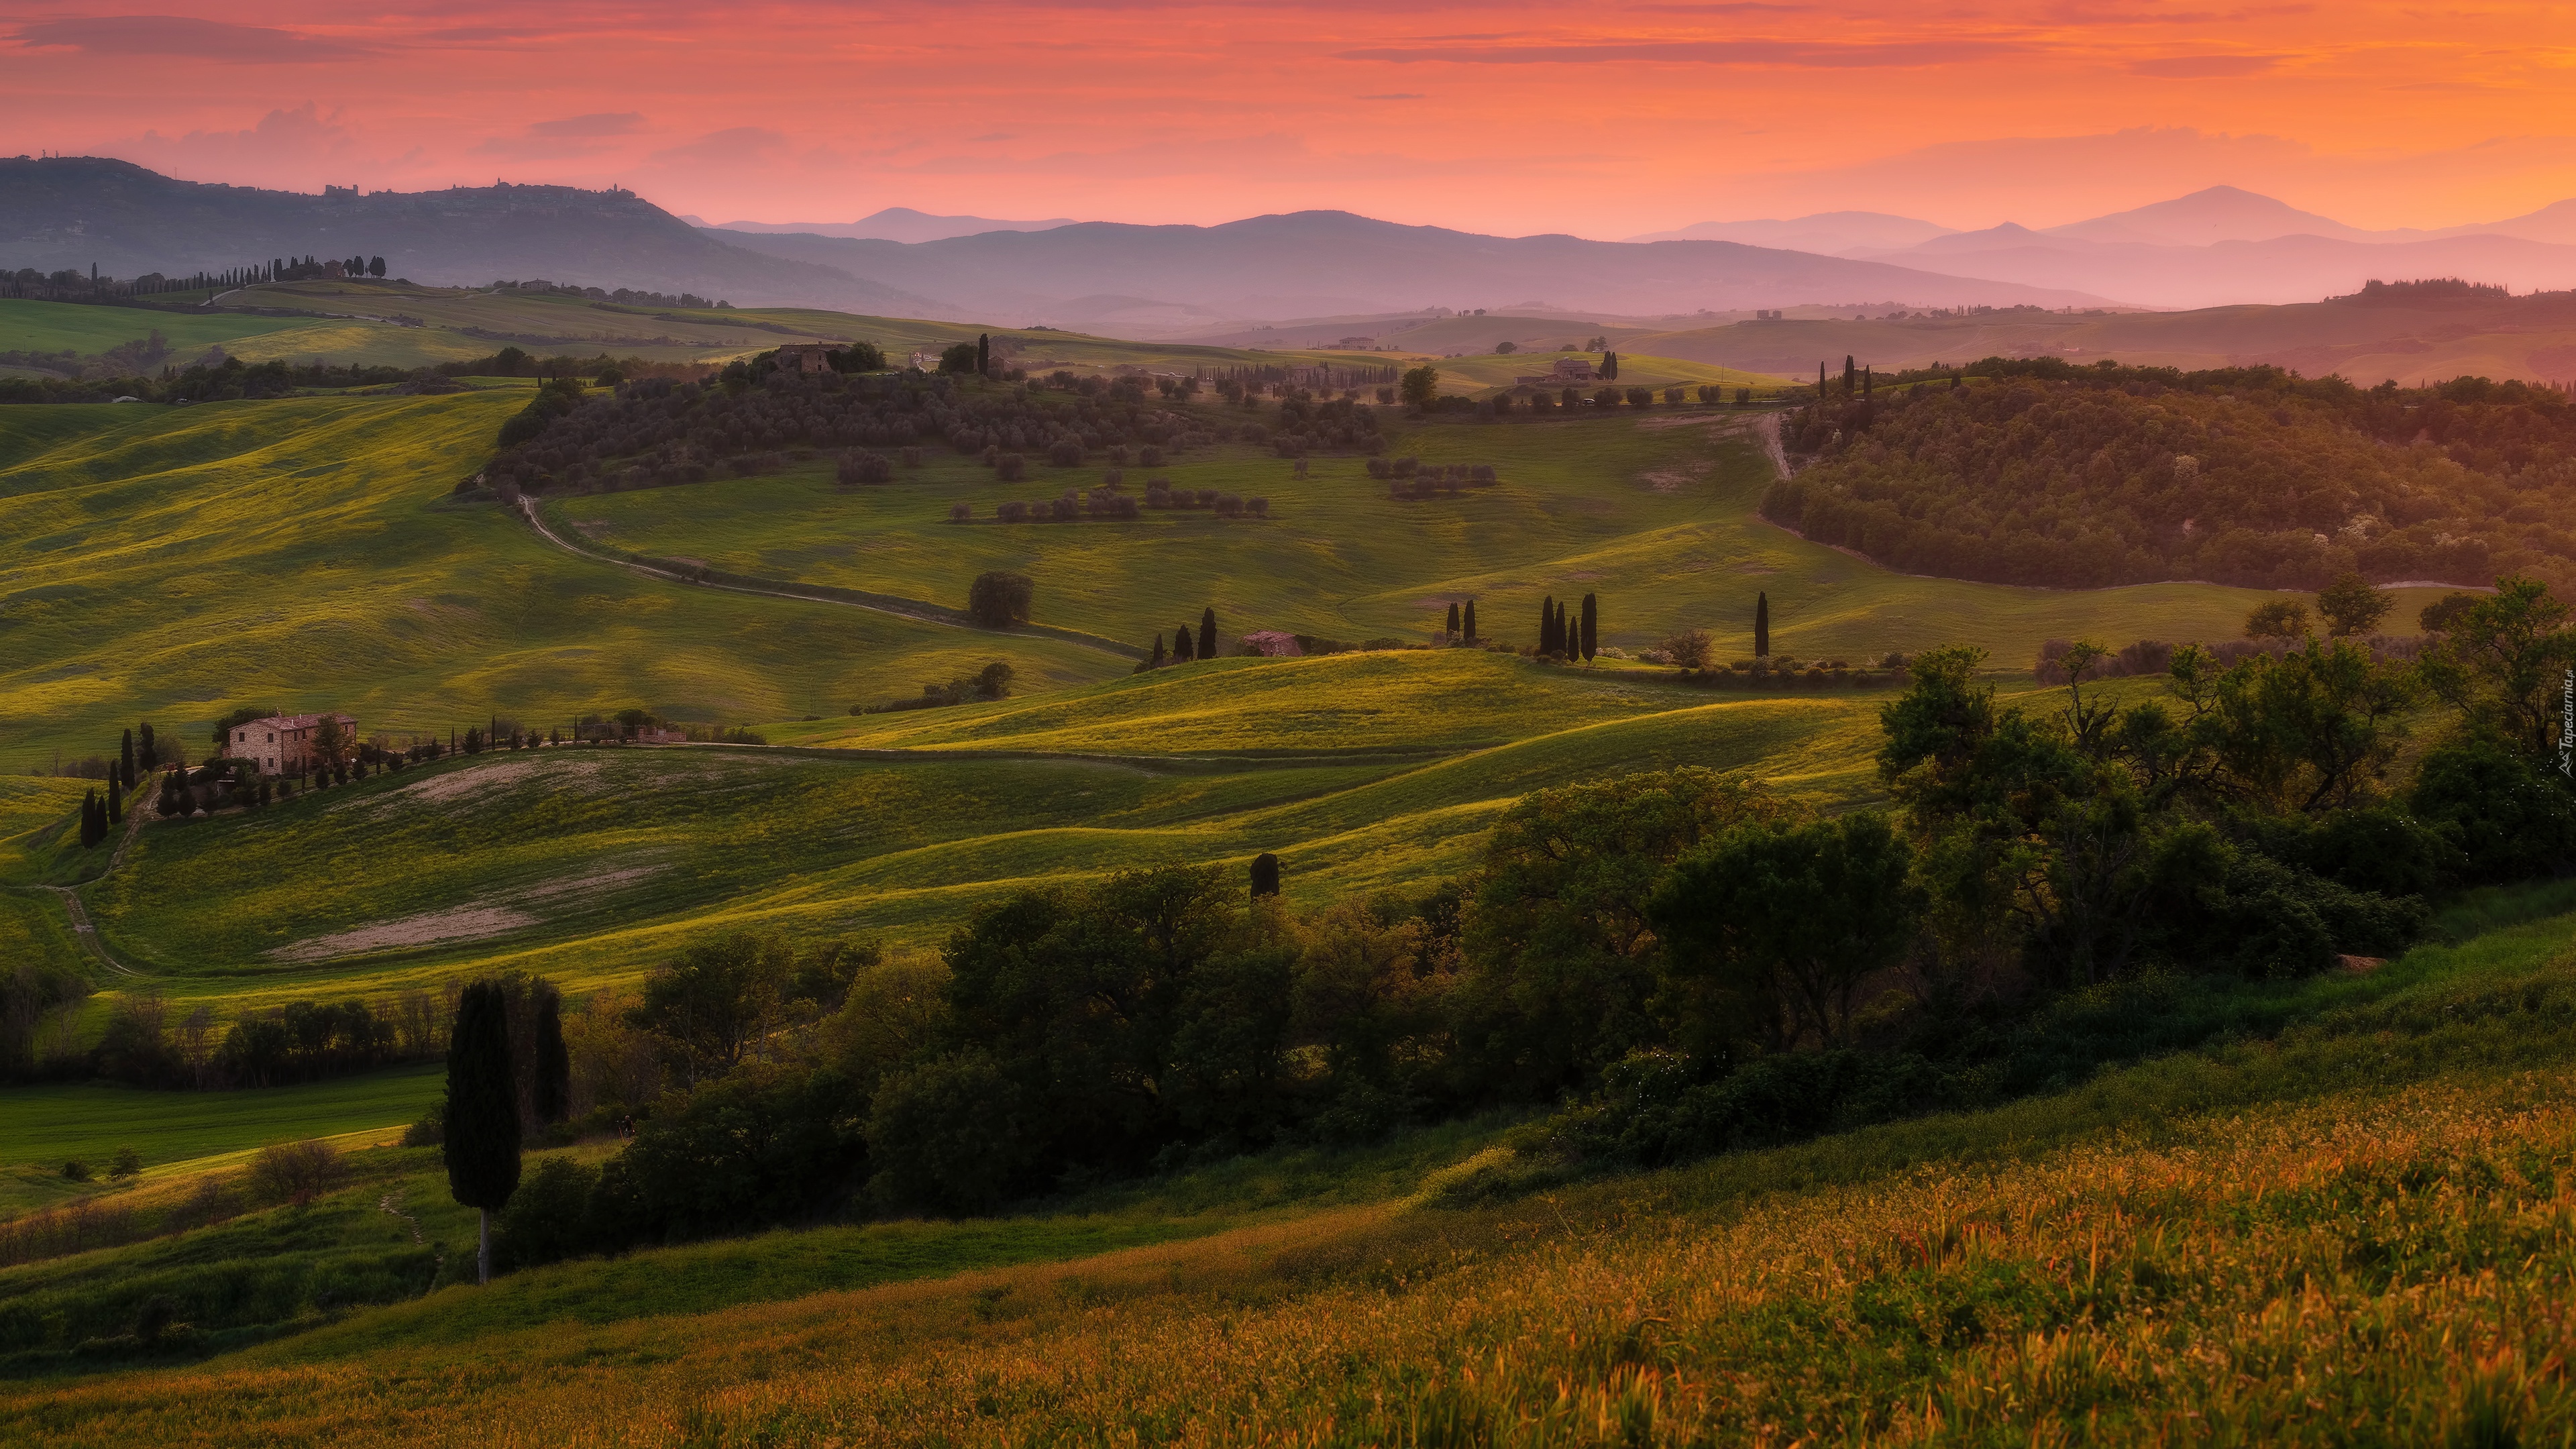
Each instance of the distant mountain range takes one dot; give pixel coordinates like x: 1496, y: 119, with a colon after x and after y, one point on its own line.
x: 1144, y: 281
x: 895, y: 223
x: 2215, y: 247
x: 1315, y: 263
x: 80, y: 211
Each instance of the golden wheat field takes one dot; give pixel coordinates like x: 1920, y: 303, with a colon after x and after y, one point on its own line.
x: 2366, y: 1268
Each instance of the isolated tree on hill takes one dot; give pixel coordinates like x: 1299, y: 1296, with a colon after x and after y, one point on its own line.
x: 1182, y: 651
x: 1207, y: 632
x: 2351, y: 606
x: 1820, y: 381
x: 480, y: 1136
x: 1422, y: 387
x: 1000, y: 599
x: 984, y: 353
x: 1761, y: 625
x: 1453, y: 619
x: 2278, y: 619
x: 1591, y: 640
x: 1467, y: 617
x: 553, y: 1094
x: 1265, y: 875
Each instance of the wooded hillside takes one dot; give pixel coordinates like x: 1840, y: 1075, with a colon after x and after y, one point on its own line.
x: 2038, y: 472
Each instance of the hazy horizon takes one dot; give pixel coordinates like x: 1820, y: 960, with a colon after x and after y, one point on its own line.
x: 1512, y: 122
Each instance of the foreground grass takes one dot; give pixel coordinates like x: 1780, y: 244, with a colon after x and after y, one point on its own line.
x: 2364, y: 1231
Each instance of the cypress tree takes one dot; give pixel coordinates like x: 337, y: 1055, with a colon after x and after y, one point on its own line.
x: 89, y: 820
x: 1591, y: 642
x: 554, y: 1063
x: 1157, y: 661
x: 1181, y: 651
x: 115, y: 801
x: 151, y: 750
x: 1453, y: 619
x: 1820, y: 381
x: 480, y: 1139
x: 1868, y: 381
x: 125, y: 758
x: 1851, y: 375
x: 1265, y: 875
x: 1469, y: 616
x: 1207, y: 633
x: 1546, y: 621
x: 1762, y: 626
x: 983, y: 354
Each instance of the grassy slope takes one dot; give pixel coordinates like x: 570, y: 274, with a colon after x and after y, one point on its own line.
x: 178, y: 1131
x: 27, y: 326
x: 2365, y: 1225
x: 608, y: 860
x: 303, y: 552
x: 1655, y: 513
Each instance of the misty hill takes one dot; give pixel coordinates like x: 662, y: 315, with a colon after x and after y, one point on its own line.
x: 2216, y: 247
x: 897, y: 223
x: 1312, y: 263
x: 1833, y: 233
x: 78, y: 211
x: 2404, y: 332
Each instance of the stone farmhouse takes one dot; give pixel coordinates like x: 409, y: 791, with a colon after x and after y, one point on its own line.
x: 284, y: 743
x: 804, y: 357
x: 1566, y: 372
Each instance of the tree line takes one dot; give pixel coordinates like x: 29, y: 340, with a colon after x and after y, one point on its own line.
x: 2043, y: 472
x: 660, y: 431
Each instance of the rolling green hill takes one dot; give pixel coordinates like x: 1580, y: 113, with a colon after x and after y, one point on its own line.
x: 171, y: 563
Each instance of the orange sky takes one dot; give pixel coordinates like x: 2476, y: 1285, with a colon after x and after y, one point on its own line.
x: 1599, y: 120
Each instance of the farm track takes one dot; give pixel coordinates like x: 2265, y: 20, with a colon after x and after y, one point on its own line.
x: 919, y: 614
x: 84, y: 930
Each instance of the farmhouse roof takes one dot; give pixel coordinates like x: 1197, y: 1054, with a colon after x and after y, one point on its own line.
x: 295, y: 721
x: 1274, y: 643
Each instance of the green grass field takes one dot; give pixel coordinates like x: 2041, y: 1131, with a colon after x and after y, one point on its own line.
x: 1653, y: 512
x: 172, y: 563
x: 48, y: 1125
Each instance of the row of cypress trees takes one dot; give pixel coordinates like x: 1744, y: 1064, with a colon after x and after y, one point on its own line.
x: 1462, y: 622
x: 100, y: 816
x: 1184, y: 647
x: 1579, y: 638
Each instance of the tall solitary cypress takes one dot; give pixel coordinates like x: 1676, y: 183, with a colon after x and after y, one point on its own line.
x: 983, y: 353
x: 1207, y: 633
x: 480, y: 1139
x: 1591, y: 641
x: 1820, y: 381
x: 1762, y: 626
x: 1469, y: 618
